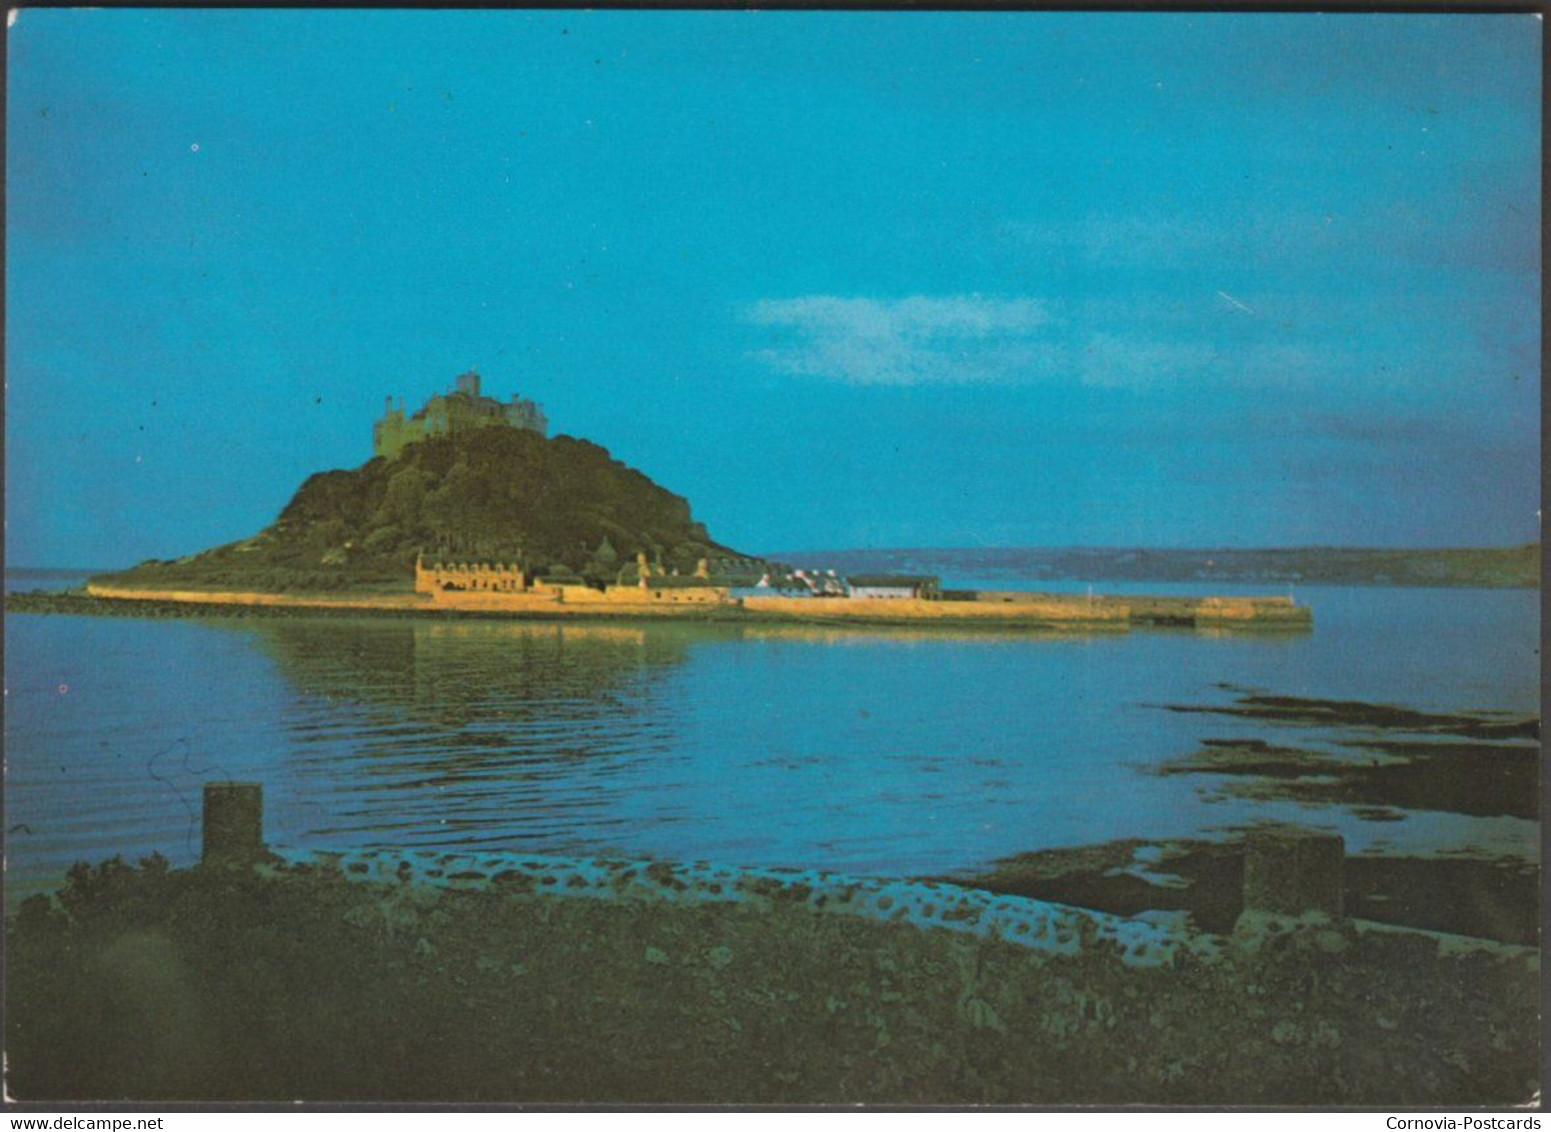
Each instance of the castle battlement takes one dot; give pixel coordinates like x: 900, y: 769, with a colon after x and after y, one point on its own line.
x: 447, y: 414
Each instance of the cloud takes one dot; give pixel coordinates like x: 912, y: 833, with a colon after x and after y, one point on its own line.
x: 1109, y: 361
x: 1150, y: 344
x: 1497, y: 230
x: 921, y: 340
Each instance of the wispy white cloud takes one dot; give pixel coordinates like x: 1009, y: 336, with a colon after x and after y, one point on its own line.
x: 921, y: 340
x: 1389, y: 243
x: 1145, y: 343
x: 1110, y: 361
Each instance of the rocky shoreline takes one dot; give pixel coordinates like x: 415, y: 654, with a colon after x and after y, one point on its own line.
x: 1472, y: 895
x: 80, y: 603
x: 278, y: 983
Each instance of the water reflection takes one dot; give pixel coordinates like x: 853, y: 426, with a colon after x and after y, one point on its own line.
x: 463, y: 670
x: 871, y: 635
x: 456, y: 733
x: 888, y: 750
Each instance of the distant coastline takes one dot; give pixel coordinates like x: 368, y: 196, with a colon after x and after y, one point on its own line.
x: 54, y: 571
x: 1516, y: 567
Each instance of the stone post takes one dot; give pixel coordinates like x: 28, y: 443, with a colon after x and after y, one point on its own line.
x: 234, y: 823
x: 1292, y: 872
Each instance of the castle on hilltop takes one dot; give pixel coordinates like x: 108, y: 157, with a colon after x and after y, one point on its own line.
x: 447, y: 414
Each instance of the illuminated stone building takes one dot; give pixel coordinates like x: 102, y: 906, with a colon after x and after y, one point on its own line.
x: 447, y: 414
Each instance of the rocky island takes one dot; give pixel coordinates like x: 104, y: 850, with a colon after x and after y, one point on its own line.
x: 468, y: 507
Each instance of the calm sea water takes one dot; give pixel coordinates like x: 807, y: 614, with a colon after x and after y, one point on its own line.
x: 881, y: 752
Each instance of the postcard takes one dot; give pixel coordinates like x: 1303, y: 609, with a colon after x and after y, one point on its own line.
x: 794, y: 557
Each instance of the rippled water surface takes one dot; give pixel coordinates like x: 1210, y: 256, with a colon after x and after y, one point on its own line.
x: 866, y: 751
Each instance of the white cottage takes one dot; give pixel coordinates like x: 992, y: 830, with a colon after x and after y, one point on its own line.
x: 925, y: 586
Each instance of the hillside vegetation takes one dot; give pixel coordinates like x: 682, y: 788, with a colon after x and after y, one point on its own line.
x: 555, y: 505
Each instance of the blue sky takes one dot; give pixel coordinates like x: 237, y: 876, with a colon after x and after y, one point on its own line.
x: 842, y: 279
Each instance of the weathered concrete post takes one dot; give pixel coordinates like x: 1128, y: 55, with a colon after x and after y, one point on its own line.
x: 1293, y: 873
x: 234, y: 823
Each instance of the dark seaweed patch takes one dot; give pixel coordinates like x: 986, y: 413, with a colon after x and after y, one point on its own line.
x: 1477, y: 779
x: 1357, y: 713
x: 1490, y: 898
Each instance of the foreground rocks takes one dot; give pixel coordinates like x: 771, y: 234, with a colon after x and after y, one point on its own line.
x: 1479, y: 896
x: 223, y: 984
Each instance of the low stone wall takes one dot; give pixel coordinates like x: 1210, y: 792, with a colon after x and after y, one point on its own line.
x: 225, y: 597
x: 572, y: 601
x: 1010, y: 609
x: 538, y: 601
x: 1241, y: 612
x: 1037, y: 611
x: 1280, y: 611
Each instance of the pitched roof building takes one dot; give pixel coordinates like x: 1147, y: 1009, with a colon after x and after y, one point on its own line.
x: 894, y: 586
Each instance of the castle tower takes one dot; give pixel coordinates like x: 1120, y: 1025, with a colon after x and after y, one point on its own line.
x: 463, y: 409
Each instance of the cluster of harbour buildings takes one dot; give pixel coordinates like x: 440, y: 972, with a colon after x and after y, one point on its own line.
x: 495, y: 587
x: 439, y: 578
